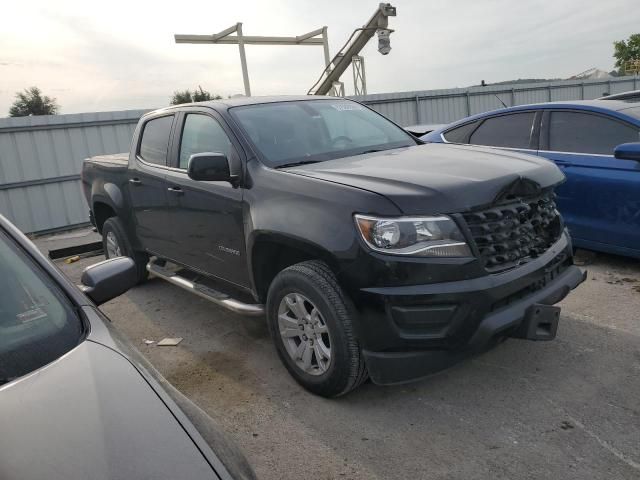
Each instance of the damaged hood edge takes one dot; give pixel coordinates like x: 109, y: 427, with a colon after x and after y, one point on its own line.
x: 439, y: 178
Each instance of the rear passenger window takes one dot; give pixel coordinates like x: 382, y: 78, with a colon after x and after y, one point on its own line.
x: 511, y: 131
x: 460, y: 134
x: 586, y: 133
x: 155, y: 140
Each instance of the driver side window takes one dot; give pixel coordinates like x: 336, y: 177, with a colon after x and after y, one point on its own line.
x: 201, y: 134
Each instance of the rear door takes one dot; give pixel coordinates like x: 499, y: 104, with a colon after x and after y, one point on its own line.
x: 206, y: 218
x: 147, y: 183
x: 512, y: 131
x: 600, y: 201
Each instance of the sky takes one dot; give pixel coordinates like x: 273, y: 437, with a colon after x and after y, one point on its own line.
x: 119, y: 55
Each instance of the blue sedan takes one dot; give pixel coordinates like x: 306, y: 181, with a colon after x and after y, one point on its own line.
x: 596, y: 144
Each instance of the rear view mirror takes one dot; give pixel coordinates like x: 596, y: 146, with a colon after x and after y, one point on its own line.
x: 628, y: 151
x: 106, y: 280
x: 210, y: 167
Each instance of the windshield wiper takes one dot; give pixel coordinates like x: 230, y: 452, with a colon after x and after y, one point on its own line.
x: 374, y: 150
x: 295, y: 164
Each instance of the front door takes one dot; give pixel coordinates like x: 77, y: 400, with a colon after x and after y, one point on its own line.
x: 599, y: 201
x: 147, y: 184
x: 206, y: 218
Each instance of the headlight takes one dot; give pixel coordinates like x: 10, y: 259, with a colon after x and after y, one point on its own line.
x: 414, y: 236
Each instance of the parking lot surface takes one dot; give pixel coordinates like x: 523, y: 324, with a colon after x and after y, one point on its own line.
x: 566, y: 409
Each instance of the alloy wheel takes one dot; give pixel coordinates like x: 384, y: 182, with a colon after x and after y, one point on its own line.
x: 304, y: 333
x: 113, y: 247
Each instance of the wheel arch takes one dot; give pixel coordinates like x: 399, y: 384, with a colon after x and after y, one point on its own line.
x: 271, y: 253
x: 102, y: 210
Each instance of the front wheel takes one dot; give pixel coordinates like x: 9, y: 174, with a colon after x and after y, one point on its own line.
x: 116, y: 244
x: 311, y: 323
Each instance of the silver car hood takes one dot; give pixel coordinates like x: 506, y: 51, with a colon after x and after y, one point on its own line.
x: 90, y: 414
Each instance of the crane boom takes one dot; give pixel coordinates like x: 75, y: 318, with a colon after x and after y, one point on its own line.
x: 357, y: 41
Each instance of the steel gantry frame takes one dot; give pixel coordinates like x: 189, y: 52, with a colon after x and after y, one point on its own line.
x: 359, y: 76
x: 378, y: 23
x: 315, y: 38
x: 329, y: 80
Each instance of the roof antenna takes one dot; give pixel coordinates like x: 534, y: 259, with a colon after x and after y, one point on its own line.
x: 483, y: 84
x: 500, y: 100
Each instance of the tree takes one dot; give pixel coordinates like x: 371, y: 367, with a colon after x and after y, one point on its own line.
x: 32, y: 102
x: 198, y: 95
x: 181, y: 96
x: 626, y: 50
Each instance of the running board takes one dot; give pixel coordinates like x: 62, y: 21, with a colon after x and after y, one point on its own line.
x: 205, y: 292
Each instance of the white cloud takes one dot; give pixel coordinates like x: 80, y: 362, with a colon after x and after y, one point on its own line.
x: 121, y: 54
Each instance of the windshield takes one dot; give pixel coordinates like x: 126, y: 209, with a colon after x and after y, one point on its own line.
x: 315, y: 130
x: 37, y: 322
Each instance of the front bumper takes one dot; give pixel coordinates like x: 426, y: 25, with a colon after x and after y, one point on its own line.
x: 413, y: 331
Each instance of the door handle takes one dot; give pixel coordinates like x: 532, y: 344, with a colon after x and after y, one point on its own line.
x: 176, y: 190
x: 135, y: 181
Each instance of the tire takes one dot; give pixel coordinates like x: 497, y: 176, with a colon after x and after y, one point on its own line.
x: 313, y: 285
x: 113, y: 231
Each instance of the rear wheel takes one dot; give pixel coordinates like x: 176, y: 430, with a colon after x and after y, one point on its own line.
x: 116, y: 244
x: 311, y: 323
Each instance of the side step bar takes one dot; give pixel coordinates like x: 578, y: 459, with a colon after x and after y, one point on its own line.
x: 205, y: 292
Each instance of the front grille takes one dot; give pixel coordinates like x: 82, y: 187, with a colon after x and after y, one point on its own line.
x: 513, y: 233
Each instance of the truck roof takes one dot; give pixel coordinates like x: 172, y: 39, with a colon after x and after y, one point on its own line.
x: 242, y: 100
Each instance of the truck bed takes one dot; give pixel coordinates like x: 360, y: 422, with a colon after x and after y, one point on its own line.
x: 103, y: 169
x: 113, y: 160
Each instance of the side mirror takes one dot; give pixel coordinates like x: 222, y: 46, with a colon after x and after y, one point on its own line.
x: 106, y: 280
x: 210, y: 167
x: 628, y: 151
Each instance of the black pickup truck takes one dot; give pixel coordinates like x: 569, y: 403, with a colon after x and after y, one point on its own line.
x: 369, y: 252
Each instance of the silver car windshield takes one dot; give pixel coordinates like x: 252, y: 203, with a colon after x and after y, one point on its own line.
x: 37, y: 322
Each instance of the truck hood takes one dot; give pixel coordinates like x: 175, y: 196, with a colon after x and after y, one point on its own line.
x: 438, y: 178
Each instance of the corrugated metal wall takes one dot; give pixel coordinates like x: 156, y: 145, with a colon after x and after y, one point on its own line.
x: 41, y: 157
x: 444, y: 106
x: 40, y: 162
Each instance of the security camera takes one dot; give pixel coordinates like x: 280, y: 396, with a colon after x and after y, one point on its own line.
x: 384, y: 42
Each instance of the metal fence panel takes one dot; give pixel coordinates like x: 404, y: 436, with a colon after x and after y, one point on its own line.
x: 442, y: 110
x: 624, y: 85
x: 41, y: 159
x: 525, y: 97
x: 572, y: 92
x: 445, y: 106
x: 595, y: 91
